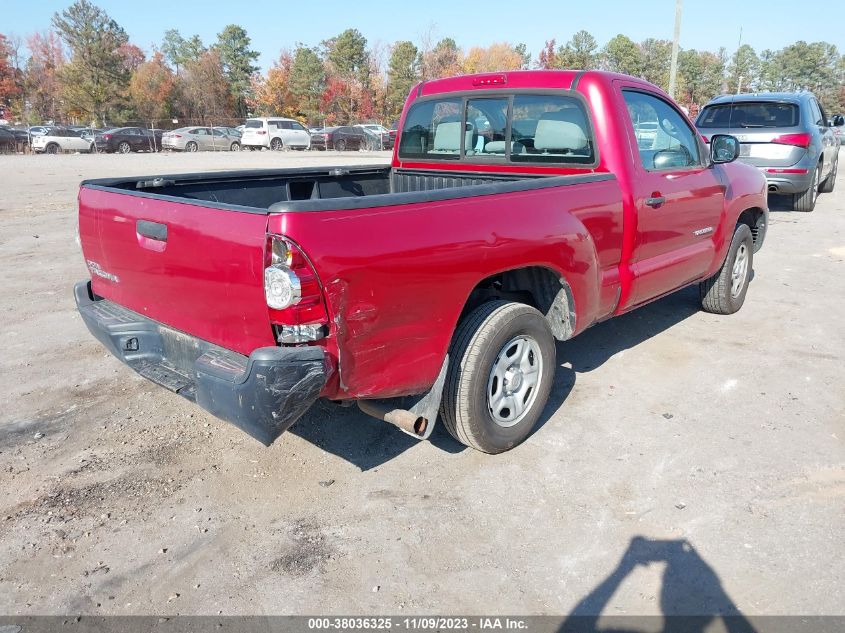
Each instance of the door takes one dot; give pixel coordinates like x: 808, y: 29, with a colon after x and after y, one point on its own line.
x: 75, y: 143
x: 220, y: 139
x: 204, y: 139
x: 830, y: 146
x: 134, y: 138
x: 678, y: 198
x: 299, y: 135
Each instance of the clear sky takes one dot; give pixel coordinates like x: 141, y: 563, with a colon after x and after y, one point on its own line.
x: 272, y: 26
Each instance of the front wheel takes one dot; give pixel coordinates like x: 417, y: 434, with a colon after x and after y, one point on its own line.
x: 235, y: 147
x: 501, y: 368
x: 724, y: 292
x: 806, y: 200
x: 124, y: 147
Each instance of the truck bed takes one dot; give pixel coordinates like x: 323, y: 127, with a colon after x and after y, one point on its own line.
x: 265, y: 191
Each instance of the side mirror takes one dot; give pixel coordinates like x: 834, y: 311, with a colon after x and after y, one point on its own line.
x: 724, y: 148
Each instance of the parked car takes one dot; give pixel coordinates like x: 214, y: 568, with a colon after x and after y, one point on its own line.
x: 275, y: 133
x: 57, y: 140
x: 8, y: 143
x: 382, y: 133
x: 783, y: 134
x: 345, y: 137
x: 128, y: 139
x: 194, y: 139
x: 440, y: 282
x: 20, y: 134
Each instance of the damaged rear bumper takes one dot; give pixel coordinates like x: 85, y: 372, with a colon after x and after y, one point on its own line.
x: 262, y: 394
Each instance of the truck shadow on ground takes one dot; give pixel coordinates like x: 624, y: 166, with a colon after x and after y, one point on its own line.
x: 691, y: 594
x: 367, y: 443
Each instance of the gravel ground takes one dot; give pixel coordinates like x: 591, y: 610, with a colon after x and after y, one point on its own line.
x: 687, y: 462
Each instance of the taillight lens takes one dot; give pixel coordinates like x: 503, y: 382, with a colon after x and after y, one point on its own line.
x: 175, y: 136
x: 705, y: 139
x: 107, y: 136
x: 261, y: 132
x: 293, y: 293
x: 800, y: 140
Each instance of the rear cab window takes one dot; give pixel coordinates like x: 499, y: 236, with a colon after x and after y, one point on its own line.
x: 254, y: 124
x: 749, y: 114
x: 500, y: 128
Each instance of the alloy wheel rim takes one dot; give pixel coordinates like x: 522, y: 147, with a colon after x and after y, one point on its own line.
x: 739, y: 271
x: 514, y: 380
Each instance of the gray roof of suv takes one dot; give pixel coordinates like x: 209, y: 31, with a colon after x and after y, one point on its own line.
x: 791, y: 97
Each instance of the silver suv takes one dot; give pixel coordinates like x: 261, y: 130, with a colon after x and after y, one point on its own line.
x: 784, y: 134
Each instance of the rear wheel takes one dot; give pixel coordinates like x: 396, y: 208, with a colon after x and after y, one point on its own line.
x: 191, y: 147
x: 235, y: 147
x: 276, y: 145
x: 830, y: 182
x: 124, y: 147
x: 340, y: 145
x: 501, y: 368
x: 724, y: 292
x: 806, y: 200
x: 52, y: 148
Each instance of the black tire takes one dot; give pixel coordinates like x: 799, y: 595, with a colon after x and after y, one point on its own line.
x: 277, y: 145
x: 806, y: 200
x: 190, y: 146
x: 719, y: 294
x: 482, y: 342
x: 340, y: 145
x: 830, y: 182
x: 235, y: 147
x: 52, y: 148
x: 123, y: 147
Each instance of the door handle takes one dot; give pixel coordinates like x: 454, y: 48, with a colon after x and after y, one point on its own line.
x: 655, y: 201
x: 153, y: 230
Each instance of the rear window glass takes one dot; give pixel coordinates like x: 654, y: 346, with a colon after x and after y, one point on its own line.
x: 433, y: 130
x: 544, y: 129
x: 550, y: 129
x: 254, y: 124
x: 749, y: 115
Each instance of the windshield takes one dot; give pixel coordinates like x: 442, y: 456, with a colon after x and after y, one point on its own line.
x: 749, y: 115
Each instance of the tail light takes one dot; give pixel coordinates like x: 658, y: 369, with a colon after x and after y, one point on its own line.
x: 705, y: 139
x: 262, y: 132
x: 293, y: 293
x: 175, y: 136
x: 107, y: 136
x: 800, y: 140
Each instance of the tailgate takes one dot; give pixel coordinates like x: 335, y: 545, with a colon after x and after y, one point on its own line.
x: 195, y: 268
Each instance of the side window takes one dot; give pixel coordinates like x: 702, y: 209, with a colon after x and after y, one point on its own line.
x: 486, y: 124
x: 432, y: 130
x: 664, y: 139
x: 550, y: 129
x: 297, y: 126
x: 285, y: 125
x: 218, y: 132
x: 817, y: 114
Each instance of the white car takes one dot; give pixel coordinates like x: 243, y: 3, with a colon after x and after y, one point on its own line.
x: 57, y: 140
x: 275, y: 133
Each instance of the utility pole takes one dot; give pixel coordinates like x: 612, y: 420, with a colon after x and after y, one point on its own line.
x: 673, y: 68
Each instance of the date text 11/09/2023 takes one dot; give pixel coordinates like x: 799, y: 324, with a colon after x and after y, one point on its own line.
x: 429, y: 623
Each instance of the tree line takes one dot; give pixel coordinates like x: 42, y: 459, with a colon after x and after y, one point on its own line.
x: 86, y: 69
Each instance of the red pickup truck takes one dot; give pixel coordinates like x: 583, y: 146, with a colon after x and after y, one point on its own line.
x: 520, y: 208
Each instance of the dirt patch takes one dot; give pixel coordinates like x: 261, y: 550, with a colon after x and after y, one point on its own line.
x: 308, y: 551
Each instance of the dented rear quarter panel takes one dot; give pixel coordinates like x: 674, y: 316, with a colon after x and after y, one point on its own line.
x: 396, y: 278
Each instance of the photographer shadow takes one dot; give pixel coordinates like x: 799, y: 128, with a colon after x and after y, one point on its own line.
x: 692, y: 598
